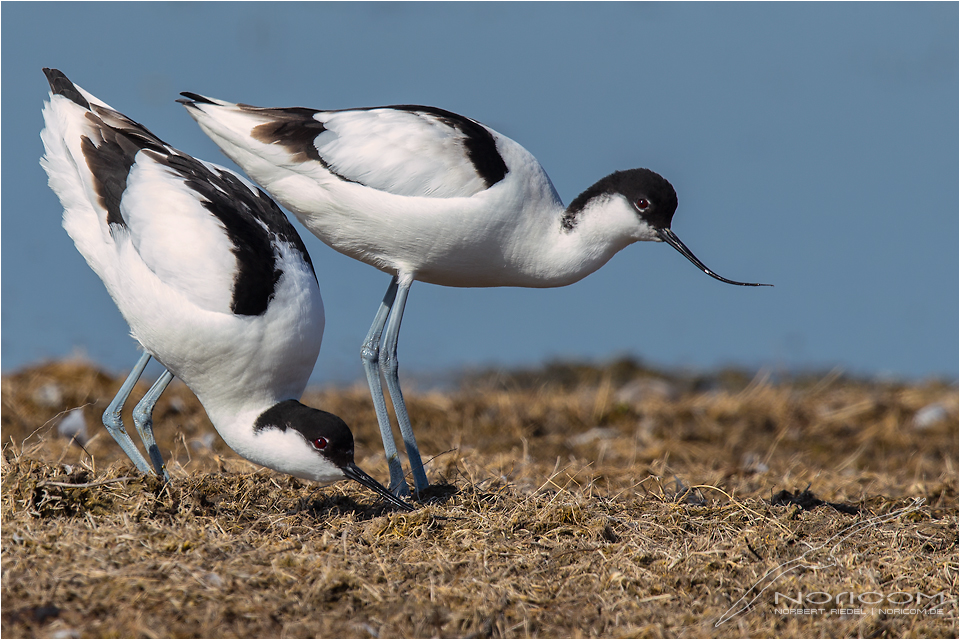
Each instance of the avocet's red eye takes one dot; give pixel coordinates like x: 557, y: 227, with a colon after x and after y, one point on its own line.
x: 321, y: 443
x: 643, y: 204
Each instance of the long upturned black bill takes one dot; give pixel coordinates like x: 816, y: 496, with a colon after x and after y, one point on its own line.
x: 671, y: 238
x: 353, y: 472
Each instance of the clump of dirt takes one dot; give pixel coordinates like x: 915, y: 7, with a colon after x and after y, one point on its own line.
x: 610, y: 501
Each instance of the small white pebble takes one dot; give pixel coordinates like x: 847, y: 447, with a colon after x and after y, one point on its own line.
x: 177, y: 405
x: 49, y: 395
x: 597, y: 433
x: 213, y: 580
x: 754, y: 463
x: 637, y: 391
x: 73, y: 425
x: 929, y: 416
x: 203, y: 442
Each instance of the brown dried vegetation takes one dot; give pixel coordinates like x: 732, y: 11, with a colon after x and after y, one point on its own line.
x: 571, y: 501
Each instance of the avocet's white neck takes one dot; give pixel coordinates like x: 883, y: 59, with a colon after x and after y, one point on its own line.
x: 561, y: 250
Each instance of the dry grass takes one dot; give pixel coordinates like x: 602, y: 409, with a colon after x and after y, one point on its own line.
x: 572, y: 501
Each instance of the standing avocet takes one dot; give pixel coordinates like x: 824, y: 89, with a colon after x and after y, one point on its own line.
x: 425, y: 194
x: 213, y: 280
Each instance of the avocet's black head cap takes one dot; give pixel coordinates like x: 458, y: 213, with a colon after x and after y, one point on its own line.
x: 329, y: 436
x: 652, y: 195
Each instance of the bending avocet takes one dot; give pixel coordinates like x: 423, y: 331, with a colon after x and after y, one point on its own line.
x: 213, y: 280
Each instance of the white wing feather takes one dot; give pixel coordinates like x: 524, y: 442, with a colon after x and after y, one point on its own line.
x: 401, y: 152
x: 165, y: 221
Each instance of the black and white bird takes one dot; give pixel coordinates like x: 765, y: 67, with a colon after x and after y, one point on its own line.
x: 425, y: 194
x: 213, y: 280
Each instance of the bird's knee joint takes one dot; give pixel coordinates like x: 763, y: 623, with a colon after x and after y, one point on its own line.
x: 140, y: 416
x: 112, y: 419
x: 369, y: 353
x: 389, y: 364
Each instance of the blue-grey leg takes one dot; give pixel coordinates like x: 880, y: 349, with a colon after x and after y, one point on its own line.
x: 370, y: 356
x: 143, y: 419
x: 391, y: 373
x: 114, y: 423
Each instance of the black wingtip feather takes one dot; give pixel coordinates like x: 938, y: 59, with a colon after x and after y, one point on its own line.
x: 62, y: 86
x: 194, y: 97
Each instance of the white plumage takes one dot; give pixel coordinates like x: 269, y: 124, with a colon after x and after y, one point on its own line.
x: 426, y: 194
x: 211, y: 277
x: 396, y: 151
